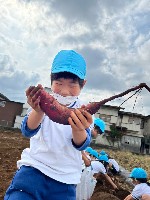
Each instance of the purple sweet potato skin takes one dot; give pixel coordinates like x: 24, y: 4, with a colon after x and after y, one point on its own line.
x: 53, y: 109
x: 59, y: 113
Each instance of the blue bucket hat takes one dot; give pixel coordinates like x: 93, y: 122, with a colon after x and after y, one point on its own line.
x: 69, y: 61
x: 138, y: 173
x: 100, y: 123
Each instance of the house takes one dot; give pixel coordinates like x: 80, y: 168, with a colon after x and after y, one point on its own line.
x: 8, y: 111
x: 134, y: 128
x: 20, y: 117
x: 134, y: 134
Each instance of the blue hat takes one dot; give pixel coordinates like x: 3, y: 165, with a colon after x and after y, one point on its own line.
x: 102, y: 152
x: 100, y: 123
x: 103, y: 158
x: 88, y: 149
x: 94, y: 153
x: 69, y: 61
x: 138, y: 173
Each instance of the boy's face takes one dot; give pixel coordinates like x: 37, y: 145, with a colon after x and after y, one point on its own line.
x: 66, y: 87
x: 94, y: 132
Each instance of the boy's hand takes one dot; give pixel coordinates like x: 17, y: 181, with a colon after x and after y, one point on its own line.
x: 33, y: 98
x: 79, y: 121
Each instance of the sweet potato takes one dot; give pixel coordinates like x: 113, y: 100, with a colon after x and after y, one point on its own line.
x: 60, y: 114
x: 53, y: 109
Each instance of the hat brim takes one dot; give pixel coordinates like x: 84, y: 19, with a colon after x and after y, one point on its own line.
x: 70, y: 70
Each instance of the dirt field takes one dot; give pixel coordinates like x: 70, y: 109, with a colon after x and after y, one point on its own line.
x: 12, y: 143
x: 11, y: 146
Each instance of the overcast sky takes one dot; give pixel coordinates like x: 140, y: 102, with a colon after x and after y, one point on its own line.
x: 112, y: 35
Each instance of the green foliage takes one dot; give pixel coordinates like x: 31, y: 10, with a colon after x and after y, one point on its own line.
x: 115, y: 133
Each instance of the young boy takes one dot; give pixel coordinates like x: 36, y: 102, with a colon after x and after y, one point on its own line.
x: 99, y: 168
x: 141, y: 190
x: 99, y: 127
x: 51, y: 167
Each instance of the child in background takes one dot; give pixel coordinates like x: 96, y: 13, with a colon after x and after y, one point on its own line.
x: 99, y: 127
x: 105, y: 161
x: 51, y: 167
x: 86, y: 187
x: 141, y: 190
x: 99, y: 169
x: 113, y: 166
x: 88, y: 150
x: 83, y: 190
x: 86, y: 159
x: 94, y: 155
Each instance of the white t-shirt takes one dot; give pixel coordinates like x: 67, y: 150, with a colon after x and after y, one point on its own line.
x: 139, y: 190
x: 115, y: 164
x: 52, y: 152
x: 97, y: 167
x: 83, y: 165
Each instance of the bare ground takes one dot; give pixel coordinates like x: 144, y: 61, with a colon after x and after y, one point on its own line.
x: 12, y: 143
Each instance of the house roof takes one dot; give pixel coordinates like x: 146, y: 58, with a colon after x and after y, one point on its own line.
x: 3, y: 97
x: 131, y: 114
x: 110, y: 106
x: 147, y: 117
x: 117, y: 107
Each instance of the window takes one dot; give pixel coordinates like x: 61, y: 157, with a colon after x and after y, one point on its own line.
x: 137, y: 120
x: 106, y: 118
x: 134, y: 120
x: 142, y: 124
x: 130, y: 120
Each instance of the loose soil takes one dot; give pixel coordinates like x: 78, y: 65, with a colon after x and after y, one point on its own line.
x: 12, y: 143
x: 103, y: 191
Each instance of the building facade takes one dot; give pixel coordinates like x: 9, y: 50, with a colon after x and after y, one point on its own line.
x: 135, y: 129
x: 8, y: 111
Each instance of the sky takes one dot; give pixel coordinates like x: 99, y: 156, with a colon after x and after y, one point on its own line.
x: 112, y: 35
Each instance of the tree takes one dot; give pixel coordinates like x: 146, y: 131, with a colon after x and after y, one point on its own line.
x: 116, y: 133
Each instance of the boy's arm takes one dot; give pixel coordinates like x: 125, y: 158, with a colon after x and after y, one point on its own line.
x: 80, y: 123
x: 85, y: 143
x: 86, y: 160
x: 129, y: 197
x: 145, y: 197
x: 26, y: 131
x: 110, y: 181
x: 34, y: 119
